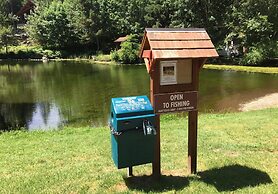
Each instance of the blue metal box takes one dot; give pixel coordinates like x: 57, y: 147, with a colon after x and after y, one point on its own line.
x: 131, y: 145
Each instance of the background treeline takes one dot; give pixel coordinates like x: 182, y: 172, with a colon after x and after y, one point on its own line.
x: 94, y: 24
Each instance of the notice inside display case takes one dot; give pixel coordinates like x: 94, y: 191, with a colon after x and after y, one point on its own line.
x: 168, y: 72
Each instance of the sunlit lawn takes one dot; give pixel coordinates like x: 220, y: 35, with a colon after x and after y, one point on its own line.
x: 237, y: 152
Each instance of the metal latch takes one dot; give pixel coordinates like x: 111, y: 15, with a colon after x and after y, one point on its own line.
x: 148, y: 128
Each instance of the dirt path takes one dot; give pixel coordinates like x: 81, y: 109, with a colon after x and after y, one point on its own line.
x: 268, y: 101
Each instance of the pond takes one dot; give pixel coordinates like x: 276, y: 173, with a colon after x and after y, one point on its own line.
x: 37, y: 95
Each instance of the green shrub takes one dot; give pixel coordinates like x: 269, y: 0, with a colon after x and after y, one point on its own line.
x: 260, y: 53
x: 51, y: 53
x: 254, y: 57
x: 6, y: 37
x: 30, y: 52
x: 128, y: 53
x: 103, y: 57
x: 272, y: 49
x: 50, y: 26
x: 114, y: 55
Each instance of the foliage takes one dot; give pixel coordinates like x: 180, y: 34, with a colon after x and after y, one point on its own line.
x: 129, y: 51
x: 94, y: 25
x: 98, y: 23
x: 254, y: 56
x: 103, y: 57
x: 6, y: 37
x: 30, y: 52
x: 260, y: 53
x: 251, y: 31
x: 7, y: 20
x: 51, y: 28
x: 253, y: 24
x: 10, y: 6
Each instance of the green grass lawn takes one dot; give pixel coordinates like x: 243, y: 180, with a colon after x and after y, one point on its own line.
x: 242, y: 68
x: 237, y: 152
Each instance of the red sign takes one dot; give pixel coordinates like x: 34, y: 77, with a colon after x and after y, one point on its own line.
x: 175, y: 102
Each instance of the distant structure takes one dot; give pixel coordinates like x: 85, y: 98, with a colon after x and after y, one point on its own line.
x: 25, y: 10
x: 230, y: 50
x: 119, y: 40
x: 45, y: 59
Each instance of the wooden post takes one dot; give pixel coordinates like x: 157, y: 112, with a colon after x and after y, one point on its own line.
x: 193, y: 121
x: 156, y: 166
x: 192, y: 141
x: 154, y: 87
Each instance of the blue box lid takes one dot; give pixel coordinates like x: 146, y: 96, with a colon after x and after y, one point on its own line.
x: 131, y: 106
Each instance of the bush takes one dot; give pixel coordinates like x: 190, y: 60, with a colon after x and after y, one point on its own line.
x: 128, y: 53
x: 114, y: 56
x: 260, y: 53
x: 30, y: 52
x: 103, y: 57
x: 51, y: 53
x: 50, y: 26
x: 6, y: 37
x: 254, y: 57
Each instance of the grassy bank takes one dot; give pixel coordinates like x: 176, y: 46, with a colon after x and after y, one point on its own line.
x: 242, y: 68
x: 236, y: 152
x: 37, y: 52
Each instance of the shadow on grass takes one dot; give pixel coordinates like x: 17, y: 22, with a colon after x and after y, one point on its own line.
x: 230, y: 178
x: 150, y: 184
x: 227, y: 178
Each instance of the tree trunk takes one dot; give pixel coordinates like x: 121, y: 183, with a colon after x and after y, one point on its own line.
x: 97, y: 44
x: 6, y: 47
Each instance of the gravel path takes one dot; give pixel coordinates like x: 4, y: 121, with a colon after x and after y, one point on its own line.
x: 268, y: 101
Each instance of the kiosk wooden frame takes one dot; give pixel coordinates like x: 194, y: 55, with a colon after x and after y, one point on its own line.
x: 187, y: 50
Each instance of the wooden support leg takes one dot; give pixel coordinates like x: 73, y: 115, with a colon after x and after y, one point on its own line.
x: 156, y: 163
x: 192, y: 141
x: 129, y: 171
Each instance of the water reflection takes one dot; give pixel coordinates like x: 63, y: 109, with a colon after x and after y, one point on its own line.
x: 47, y: 95
x: 65, y: 92
x: 45, y: 116
x: 15, y: 115
x: 30, y: 116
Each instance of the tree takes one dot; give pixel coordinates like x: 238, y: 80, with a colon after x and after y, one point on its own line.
x: 253, y: 24
x: 7, y: 20
x: 6, y: 37
x: 129, y: 51
x: 51, y: 28
x: 94, y: 24
x: 249, y: 23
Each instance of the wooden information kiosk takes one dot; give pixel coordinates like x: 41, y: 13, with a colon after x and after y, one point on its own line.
x: 174, y: 58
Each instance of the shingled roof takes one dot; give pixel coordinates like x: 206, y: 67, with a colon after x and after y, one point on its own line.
x: 175, y: 43
x: 121, y: 39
